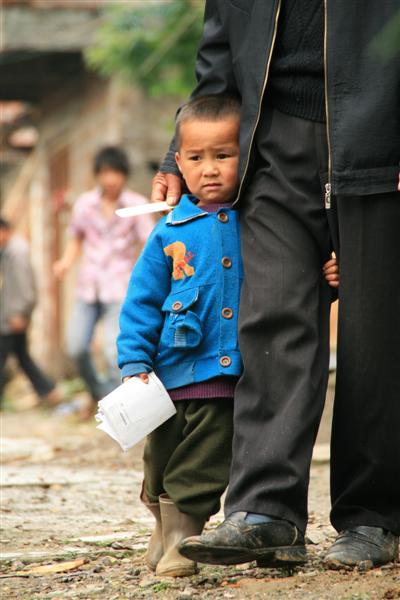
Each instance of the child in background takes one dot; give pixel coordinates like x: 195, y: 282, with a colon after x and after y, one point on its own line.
x: 179, y: 319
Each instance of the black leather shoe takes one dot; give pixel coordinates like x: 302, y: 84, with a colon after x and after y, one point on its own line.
x: 363, y: 546
x: 276, y: 543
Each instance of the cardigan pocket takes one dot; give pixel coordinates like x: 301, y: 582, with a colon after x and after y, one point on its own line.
x: 182, y: 327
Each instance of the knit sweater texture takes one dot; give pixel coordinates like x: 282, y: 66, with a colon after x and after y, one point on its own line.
x: 296, y: 80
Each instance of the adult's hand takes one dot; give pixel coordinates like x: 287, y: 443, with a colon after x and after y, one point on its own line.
x: 71, y: 253
x: 60, y: 268
x: 166, y: 186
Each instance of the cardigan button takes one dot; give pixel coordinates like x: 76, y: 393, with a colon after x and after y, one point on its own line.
x: 225, y: 361
x: 226, y: 262
x: 223, y: 217
x: 227, y: 313
x: 177, y: 305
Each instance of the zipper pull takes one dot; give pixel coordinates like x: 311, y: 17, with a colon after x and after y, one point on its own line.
x: 328, y: 188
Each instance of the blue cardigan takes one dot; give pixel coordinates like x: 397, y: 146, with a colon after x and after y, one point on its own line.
x: 180, y: 314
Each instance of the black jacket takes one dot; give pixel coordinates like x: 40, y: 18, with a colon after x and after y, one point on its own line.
x: 362, y: 77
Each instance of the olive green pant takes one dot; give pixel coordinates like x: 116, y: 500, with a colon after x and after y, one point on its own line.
x: 189, y: 456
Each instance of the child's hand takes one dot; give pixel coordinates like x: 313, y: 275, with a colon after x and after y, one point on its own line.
x: 331, y: 272
x: 143, y: 376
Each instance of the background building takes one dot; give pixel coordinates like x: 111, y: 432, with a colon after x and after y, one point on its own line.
x: 54, y: 115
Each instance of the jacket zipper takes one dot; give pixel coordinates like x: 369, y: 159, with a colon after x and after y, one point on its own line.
x: 328, y: 186
x: 278, y: 10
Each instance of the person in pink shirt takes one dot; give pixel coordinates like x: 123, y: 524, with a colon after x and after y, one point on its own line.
x: 107, y: 246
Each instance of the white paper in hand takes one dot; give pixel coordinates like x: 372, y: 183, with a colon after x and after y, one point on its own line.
x: 134, y: 409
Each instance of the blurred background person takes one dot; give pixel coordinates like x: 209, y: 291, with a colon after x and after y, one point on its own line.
x: 17, y: 301
x: 107, y: 246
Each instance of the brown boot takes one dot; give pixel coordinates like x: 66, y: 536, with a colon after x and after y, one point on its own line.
x: 155, y: 548
x: 176, y: 526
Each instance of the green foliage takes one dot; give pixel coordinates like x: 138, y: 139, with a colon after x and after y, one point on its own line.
x: 150, y: 43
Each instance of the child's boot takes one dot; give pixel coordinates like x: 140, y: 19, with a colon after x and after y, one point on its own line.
x: 155, y: 548
x: 176, y: 526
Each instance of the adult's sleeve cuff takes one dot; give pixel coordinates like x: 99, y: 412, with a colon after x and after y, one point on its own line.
x: 169, y: 165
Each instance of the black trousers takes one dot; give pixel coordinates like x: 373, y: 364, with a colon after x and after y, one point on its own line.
x: 16, y: 343
x: 284, y: 338
x: 283, y: 321
x: 365, y: 456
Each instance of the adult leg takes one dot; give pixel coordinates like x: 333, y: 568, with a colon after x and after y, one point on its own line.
x: 283, y: 323
x: 110, y: 316
x: 6, y: 344
x: 365, y: 457
x: 284, y: 340
x: 79, y: 336
x: 42, y: 384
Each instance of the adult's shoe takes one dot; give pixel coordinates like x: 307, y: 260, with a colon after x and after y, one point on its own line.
x: 276, y: 543
x: 363, y: 546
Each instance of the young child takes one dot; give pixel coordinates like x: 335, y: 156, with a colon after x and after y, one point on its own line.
x: 180, y: 320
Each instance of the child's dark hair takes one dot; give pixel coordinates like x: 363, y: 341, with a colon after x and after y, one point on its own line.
x: 212, y: 107
x: 111, y: 157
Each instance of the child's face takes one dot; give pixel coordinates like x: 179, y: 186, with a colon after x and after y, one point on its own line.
x: 208, y: 158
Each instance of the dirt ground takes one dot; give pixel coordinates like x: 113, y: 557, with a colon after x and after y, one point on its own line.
x: 70, y: 514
